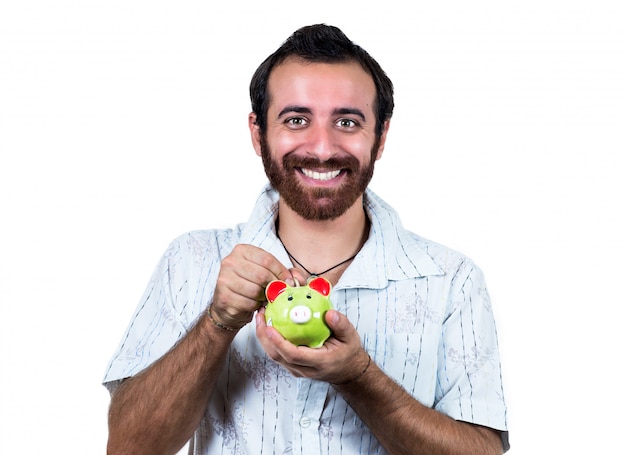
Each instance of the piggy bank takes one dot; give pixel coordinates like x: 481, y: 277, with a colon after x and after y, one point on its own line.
x: 298, y: 312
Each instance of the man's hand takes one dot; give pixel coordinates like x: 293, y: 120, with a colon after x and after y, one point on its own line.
x: 240, y: 287
x: 399, y: 421
x: 339, y: 360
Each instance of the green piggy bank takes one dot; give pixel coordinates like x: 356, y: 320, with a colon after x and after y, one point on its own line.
x: 298, y: 312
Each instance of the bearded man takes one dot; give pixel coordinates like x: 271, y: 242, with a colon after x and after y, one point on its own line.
x: 412, y: 365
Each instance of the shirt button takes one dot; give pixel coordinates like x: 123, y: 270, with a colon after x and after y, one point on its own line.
x: 305, y: 422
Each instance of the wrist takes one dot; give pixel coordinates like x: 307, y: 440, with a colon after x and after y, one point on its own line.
x: 219, y: 324
x: 358, y: 376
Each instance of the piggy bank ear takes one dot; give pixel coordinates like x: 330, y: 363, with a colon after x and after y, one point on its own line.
x: 321, y: 285
x: 274, y: 289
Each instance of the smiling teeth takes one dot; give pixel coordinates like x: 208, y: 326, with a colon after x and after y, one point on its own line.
x: 321, y: 175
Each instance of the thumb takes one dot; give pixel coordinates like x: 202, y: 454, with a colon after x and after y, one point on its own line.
x: 339, y: 324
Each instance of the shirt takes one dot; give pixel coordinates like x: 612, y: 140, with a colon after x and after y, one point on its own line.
x: 422, y: 310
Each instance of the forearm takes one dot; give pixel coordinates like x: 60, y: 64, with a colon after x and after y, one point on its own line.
x: 157, y: 411
x: 404, y: 426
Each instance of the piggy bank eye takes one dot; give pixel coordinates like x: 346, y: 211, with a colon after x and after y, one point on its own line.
x: 290, y: 298
x: 308, y: 296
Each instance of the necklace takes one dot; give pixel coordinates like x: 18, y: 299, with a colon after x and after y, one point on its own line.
x: 307, y: 270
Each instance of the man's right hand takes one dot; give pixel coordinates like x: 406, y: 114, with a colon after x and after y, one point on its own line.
x: 240, y: 288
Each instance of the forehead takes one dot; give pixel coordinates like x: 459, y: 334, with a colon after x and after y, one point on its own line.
x: 321, y: 86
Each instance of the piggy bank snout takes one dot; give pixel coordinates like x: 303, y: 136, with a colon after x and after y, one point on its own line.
x: 300, y: 314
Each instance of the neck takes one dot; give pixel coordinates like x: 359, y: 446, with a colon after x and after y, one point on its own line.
x: 320, y: 245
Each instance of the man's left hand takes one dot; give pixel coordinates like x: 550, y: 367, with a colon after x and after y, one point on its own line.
x: 339, y: 360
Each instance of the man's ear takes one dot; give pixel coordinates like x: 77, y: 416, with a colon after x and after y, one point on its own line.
x: 383, y: 139
x: 255, y: 133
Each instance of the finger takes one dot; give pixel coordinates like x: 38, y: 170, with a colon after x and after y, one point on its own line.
x: 252, y: 293
x: 261, y: 266
x: 289, y: 355
x: 237, y: 293
x: 262, y: 331
x: 298, y: 277
x: 247, y: 271
x: 276, y: 346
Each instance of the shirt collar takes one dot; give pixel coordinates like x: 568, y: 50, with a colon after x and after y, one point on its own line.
x: 390, y: 253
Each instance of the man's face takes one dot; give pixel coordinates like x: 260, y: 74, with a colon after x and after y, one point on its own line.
x: 320, y: 145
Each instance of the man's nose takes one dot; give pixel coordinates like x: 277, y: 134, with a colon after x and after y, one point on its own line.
x: 321, y: 142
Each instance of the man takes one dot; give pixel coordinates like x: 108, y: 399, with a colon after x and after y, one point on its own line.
x: 412, y: 365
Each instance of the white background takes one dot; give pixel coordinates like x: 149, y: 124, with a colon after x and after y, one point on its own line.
x: 123, y: 125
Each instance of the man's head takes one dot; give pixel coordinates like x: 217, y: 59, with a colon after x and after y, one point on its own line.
x: 320, y: 121
x: 321, y: 44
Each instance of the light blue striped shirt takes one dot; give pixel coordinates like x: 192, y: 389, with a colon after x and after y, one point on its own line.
x: 422, y: 310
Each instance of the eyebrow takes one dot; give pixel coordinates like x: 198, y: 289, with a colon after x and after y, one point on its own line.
x: 351, y: 111
x: 295, y: 109
x: 305, y: 110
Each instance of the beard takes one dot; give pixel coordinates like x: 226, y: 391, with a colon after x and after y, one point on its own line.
x: 318, y: 204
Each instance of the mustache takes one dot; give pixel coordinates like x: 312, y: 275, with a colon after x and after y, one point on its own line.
x: 349, y: 163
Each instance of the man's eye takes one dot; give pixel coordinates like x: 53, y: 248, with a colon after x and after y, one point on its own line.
x: 346, y: 123
x: 296, y: 121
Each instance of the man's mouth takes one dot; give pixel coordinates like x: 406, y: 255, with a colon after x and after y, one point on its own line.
x: 322, y: 176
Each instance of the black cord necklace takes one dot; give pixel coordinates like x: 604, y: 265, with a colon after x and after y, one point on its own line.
x: 307, y: 270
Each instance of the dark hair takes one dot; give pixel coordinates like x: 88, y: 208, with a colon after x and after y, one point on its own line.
x: 321, y: 44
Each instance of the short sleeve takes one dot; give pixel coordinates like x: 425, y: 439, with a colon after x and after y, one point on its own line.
x: 179, y: 291
x: 469, y: 384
